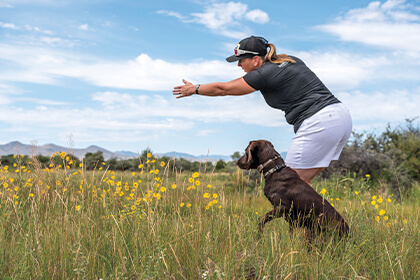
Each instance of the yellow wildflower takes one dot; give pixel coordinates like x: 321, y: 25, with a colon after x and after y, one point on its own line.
x: 174, y: 186
x: 206, y: 195
x: 77, y: 207
x: 382, y: 212
x: 215, y: 195
x: 162, y: 163
x: 195, y: 174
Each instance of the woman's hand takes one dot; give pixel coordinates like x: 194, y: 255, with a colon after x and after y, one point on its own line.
x: 184, y: 90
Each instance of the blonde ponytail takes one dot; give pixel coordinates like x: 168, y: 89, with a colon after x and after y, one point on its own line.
x: 273, y: 57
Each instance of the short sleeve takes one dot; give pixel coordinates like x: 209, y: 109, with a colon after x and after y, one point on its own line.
x: 254, y: 79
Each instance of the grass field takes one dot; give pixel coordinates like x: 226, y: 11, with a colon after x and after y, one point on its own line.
x: 63, y: 222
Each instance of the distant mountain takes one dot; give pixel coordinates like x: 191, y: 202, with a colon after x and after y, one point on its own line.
x: 211, y: 158
x: 49, y: 149
x: 127, y: 153
x: 16, y: 147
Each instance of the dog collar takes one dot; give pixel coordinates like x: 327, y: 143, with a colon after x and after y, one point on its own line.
x: 262, y: 165
x: 274, y: 169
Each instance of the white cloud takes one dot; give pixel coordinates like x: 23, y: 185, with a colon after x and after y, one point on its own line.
x: 37, y: 29
x: 379, y: 108
x: 393, y: 24
x: 8, y: 25
x: 225, y: 18
x: 257, y: 16
x: 172, y: 14
x: 344, y: 71
x: 84, y: 27
x: 57, y: 41
x: 26, y: 27
x: 219, y: 15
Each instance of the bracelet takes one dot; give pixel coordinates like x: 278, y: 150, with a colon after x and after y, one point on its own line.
x: 196, y: 88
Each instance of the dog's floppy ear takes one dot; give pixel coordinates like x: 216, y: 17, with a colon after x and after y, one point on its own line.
x: 252, y: 150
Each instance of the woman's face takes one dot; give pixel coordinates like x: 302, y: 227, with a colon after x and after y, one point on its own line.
x: 248, y: 64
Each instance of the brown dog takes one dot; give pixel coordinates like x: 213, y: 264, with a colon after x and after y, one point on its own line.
x: 290, y: 196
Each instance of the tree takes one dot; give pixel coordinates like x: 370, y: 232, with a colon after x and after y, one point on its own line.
x: 92, y: 160
x: 220, y: 165
x: 236, y: 156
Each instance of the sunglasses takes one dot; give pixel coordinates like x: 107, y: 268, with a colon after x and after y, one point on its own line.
x: 240, y: 52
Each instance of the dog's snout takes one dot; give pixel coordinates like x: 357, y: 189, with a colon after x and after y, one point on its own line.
x: 242, y: 162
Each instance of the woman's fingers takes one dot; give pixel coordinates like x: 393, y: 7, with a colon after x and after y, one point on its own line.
x: 182, y: 90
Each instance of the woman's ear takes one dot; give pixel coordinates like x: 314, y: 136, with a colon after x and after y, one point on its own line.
x: 257, y: 61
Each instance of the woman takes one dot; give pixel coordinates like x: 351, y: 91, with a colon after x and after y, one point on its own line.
x: 321, y: 123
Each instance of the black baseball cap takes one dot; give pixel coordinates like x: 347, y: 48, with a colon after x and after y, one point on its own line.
x: 249, y: 47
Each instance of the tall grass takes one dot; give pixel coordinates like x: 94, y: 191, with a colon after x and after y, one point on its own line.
x: 63, y: 222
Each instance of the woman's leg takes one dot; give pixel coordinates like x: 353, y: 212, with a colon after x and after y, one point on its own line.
x: 308, y: 174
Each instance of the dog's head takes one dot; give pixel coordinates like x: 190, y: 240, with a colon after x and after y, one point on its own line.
x: 256, y: 153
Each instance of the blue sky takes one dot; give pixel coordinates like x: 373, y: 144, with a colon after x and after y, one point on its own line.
x: 79, y: 73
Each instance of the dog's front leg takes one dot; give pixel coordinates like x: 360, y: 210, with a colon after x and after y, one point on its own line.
x: 275, y: 213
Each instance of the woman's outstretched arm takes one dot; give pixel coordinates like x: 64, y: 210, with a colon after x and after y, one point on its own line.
x: 234, y: 87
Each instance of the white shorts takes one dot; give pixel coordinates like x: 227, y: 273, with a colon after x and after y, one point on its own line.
x: 320, y: 138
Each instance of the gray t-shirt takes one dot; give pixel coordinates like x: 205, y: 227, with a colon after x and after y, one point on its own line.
x: 292, y: 88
